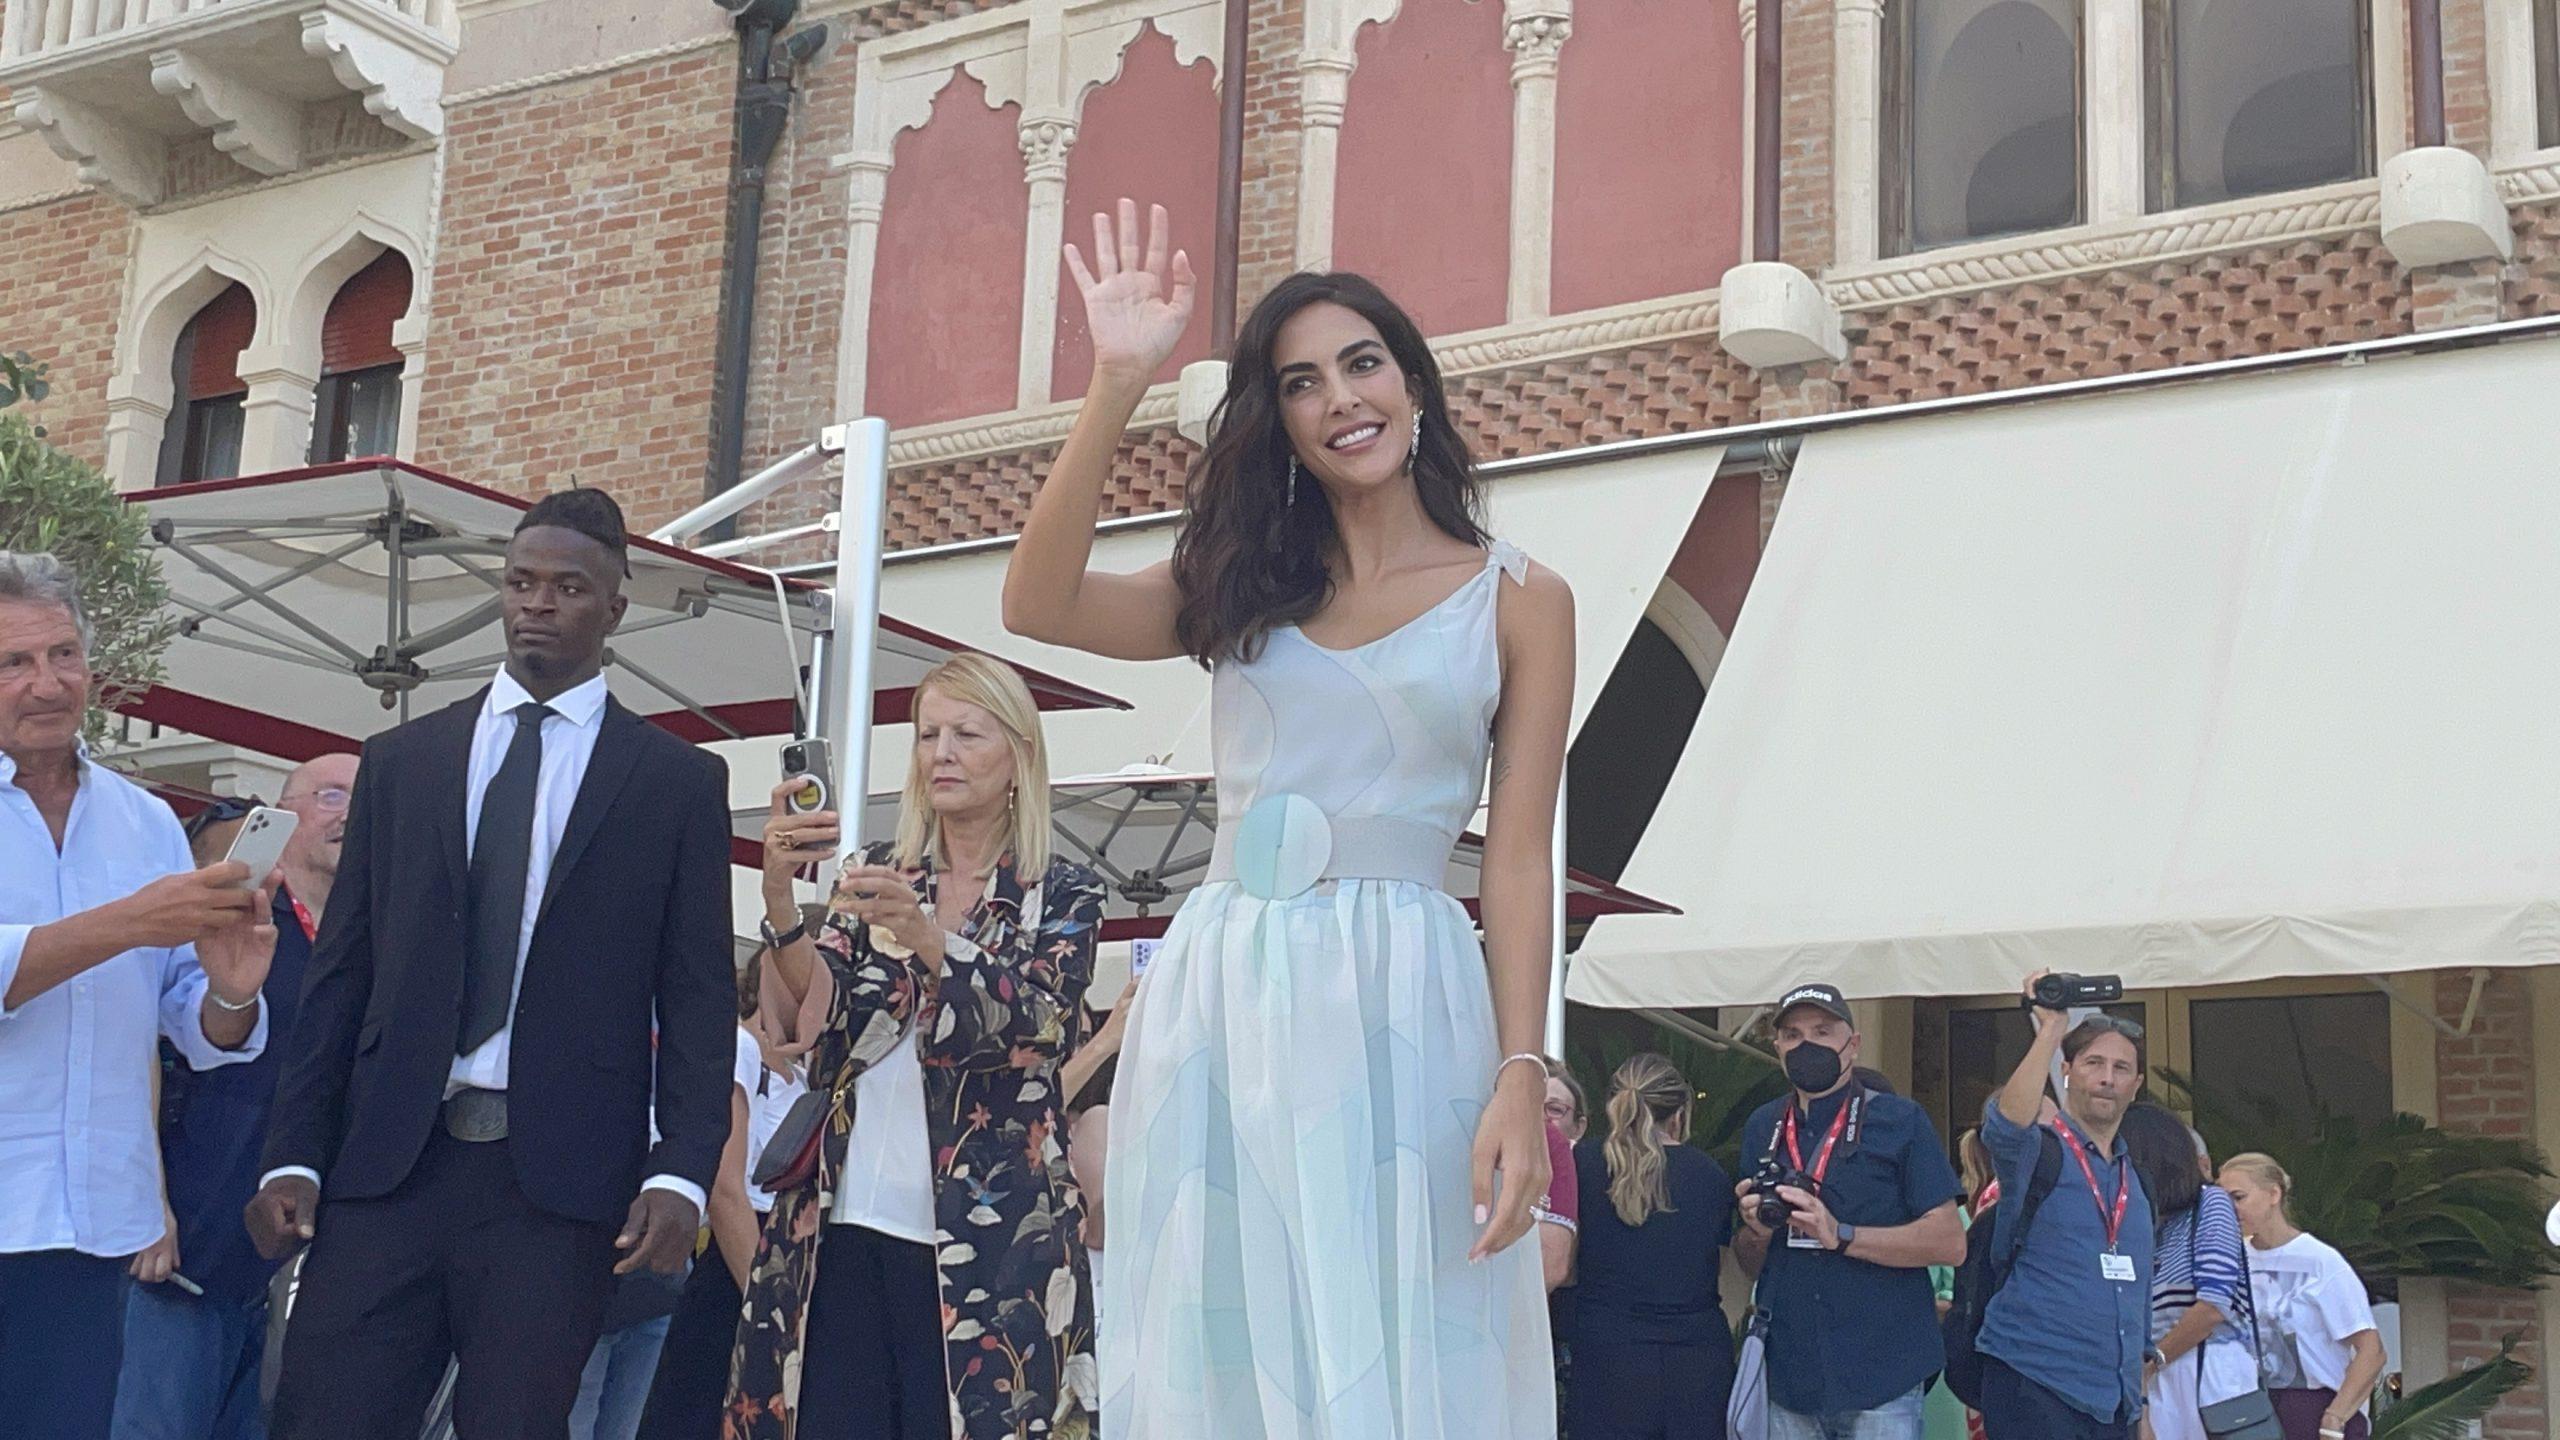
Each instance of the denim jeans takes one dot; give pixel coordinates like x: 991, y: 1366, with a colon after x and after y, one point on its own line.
x: 193, y: 1367
x: 615, y: 1385
x: 1900, y: 1418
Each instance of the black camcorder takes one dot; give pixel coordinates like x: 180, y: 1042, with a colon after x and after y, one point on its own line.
x: 2063, y: 992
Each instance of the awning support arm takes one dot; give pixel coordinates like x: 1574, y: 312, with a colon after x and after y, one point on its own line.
x: 1708, y: 1035
x: 262, y: 598
x: 727, y: 731
x: 2470, y: 1005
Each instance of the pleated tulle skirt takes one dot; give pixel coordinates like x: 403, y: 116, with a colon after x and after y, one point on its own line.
x: 1287, y: 1188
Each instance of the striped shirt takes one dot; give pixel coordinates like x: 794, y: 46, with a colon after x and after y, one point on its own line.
x: 2200, y: 1257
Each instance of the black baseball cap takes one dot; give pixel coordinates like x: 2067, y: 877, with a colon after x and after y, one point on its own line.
x: 1821, y: 997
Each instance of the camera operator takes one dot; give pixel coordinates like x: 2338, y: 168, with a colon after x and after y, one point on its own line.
x: 2064, y: 1339
x: 1859, y: 1183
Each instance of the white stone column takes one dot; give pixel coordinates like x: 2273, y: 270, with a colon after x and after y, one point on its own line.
x: 1534, y: 31
x: 867, y: 187
x: 135, y: 423
x: 2515, y: 126
x: 2114, y: 140
x: 1047, y: 138
x: 275, y: 431
x: 2390, y: 21
x: 1857, y: 55
x: 409, y: 337
x: 1324, y: 89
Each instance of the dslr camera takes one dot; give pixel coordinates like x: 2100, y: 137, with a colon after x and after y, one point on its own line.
x: 1771, y: 1211
x: 2062, y: 992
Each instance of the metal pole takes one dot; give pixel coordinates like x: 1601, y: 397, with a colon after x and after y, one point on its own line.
x: 863, y: 511
x: 1555, y: 959
x: 1229, y: 240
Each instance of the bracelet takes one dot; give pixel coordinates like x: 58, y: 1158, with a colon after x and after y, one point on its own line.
x: 1508, y: 1061
x: 221, y: 1004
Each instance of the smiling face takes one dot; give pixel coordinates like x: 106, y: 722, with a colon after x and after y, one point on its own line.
x: 44, y: 680
x: 964, y: 754
x: 1347, y: 406
x: 317, y: 794
x: 561, y: 596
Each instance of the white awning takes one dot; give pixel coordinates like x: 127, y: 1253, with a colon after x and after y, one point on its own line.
x: 2243, y: 678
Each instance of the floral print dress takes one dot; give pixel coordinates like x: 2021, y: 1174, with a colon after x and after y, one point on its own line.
x: 1017, y: 1296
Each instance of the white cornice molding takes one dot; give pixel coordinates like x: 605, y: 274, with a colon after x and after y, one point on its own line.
x: 2531, y: 179
x: 1020, y: 430
x: 2092, y: 249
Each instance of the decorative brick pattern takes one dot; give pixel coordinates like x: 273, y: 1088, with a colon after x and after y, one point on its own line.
x: 577, y: 284
x: 2216, y: 308
x: 2532, y: 282
x: 2485, y: 1083
x: 61, y: 286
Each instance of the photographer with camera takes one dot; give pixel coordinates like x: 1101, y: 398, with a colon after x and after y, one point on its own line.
x: 2064, y: 1338
x: 1850, y: 1201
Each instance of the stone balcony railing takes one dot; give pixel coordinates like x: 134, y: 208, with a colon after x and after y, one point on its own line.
x: 154, y: 99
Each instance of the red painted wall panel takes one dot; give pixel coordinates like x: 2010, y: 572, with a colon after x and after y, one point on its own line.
x: 1648, y: 151
x: 1422, y: 203
x: 946, y: 295
x: 1152, y: 136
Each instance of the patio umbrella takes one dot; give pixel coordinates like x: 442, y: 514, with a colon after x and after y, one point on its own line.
x: 319, y: 607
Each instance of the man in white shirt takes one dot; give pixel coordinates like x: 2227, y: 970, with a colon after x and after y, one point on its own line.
x: 529, y: 936
x: 109, y: 937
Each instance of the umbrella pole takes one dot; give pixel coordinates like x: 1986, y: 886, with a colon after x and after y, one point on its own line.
x: 846, y: 701
x: 1555, y: 959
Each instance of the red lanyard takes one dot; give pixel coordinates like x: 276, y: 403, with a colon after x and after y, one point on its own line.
x: 2124, y: 1182
x: 1822, y: 1157
x: 302, y: 912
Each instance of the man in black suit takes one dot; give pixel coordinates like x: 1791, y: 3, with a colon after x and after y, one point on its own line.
x: 533, y: 882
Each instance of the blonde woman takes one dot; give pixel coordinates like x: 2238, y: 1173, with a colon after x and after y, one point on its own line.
x: 1652, y: 1356
x: 2316, y: 1338
x: 927, y: 1281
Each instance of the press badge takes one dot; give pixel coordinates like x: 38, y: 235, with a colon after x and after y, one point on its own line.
x: 2116, y: 1267
x: 1797, y: 1241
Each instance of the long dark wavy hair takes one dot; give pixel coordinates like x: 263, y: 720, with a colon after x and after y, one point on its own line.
x: 1247, y: 561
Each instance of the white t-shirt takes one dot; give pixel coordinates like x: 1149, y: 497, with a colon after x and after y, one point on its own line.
x: 769, y: 1097
x: 2310, y: 1303
x: 888, y: 1163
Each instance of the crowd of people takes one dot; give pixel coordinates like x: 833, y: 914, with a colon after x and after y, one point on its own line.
x: 474, y: 1125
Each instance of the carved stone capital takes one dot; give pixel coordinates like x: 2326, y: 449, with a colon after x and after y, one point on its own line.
x: 1045, y: 144
x: 401, y: 88
x: 866, y: 185
x: 1536, y: 42
x: 1324, y: 89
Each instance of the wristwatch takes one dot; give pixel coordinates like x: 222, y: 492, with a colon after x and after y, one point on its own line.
x: 776, y: 939
x: 1848, y: 1232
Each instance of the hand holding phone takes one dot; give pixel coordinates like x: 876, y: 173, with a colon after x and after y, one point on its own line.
x: 260, y: 842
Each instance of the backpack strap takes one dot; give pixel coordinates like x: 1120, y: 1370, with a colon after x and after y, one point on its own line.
x: 2048, y: 1173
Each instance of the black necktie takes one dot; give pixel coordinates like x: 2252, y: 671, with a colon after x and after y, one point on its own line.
x: 501, y: 853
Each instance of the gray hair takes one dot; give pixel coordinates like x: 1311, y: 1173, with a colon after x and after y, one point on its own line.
x: 36, y: 578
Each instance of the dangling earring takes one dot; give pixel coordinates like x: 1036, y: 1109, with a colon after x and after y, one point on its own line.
x: 1413, y: 452
x: 1293, y: 483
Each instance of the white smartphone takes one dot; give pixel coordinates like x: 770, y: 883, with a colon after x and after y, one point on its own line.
x: 260, y: 842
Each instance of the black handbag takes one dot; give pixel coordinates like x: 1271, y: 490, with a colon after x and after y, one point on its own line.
x: 790, y: 1158
x: 2251, y: 1414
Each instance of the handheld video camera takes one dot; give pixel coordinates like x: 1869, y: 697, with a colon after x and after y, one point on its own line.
x: 2063, y: 992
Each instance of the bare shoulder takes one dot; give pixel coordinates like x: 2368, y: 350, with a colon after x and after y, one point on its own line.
x: 1539, y: 609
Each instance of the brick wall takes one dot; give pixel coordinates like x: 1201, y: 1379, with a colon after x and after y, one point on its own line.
x: 2485, y: 1082
x: 577, y: 283
x: 61, y: 286
x: 1268, y: 242
x: 1804, y: 161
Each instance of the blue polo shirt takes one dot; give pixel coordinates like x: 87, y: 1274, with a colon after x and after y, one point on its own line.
x: 1845, y: 1334
x: 2057, y: 1320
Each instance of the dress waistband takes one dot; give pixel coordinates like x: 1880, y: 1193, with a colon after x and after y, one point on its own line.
x: 1371, y: 847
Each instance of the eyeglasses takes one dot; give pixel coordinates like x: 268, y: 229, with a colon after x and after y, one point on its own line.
x: 327, y: 797
x: 2129, y: 1029
x: 1561, y: 1112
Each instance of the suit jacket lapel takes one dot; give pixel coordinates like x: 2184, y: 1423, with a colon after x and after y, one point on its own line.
x: 450, y: 744
x: 617, y: 750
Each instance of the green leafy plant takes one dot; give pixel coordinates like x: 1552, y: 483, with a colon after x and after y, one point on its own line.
x: 2400, y: 1198
x: 2446, y: 1409
x: 53, y: 501
x: 1729, y: 1084
x: 22, y: 377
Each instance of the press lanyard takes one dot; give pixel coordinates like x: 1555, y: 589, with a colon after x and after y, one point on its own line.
x: 2124, y: 1183
x: 1821, y: 1157
x: 302, y: 912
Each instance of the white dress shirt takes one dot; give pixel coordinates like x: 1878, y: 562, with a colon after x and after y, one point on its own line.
x: 79, y: 1144
x: 568, y: 743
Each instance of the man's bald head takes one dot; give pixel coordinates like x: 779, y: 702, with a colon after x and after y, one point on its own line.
x: 317, y: 793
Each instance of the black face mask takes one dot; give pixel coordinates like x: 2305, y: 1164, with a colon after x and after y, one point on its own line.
x: 1812, y: 1068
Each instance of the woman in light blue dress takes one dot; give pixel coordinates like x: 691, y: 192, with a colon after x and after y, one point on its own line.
x: 1327, y: 1130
